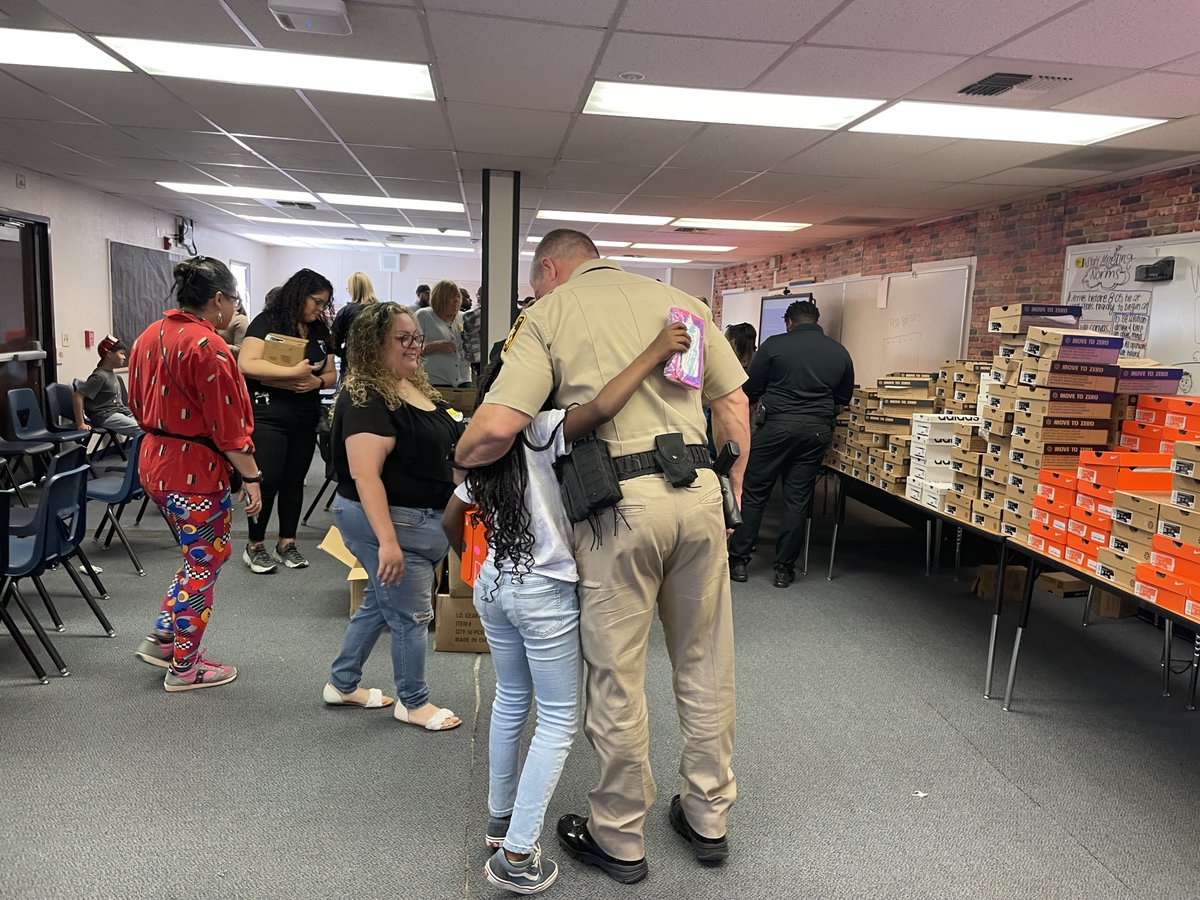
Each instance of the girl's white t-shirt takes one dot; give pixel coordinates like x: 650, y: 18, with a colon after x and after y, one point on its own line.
x: 552, y: 531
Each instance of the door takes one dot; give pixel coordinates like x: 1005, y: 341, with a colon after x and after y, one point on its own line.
x: 26, y: 310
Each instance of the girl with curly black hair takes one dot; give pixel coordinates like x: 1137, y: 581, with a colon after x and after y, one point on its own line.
x: 525, y: 595
x: 287, y: 404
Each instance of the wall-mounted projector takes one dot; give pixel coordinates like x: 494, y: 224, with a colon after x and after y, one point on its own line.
x: 314, y: 16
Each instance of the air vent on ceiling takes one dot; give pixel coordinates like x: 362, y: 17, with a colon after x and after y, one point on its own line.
x: 397, y: 237
x: 865, y: 221
x: 686, y: 230
x: 355, y: 240
x: 1002, y: 82
x: 294, y: 204
x: 1107, y: 159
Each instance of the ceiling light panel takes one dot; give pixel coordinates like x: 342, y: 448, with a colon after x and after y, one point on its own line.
x: 536, y: 239
x: 247, y: 193
x: 438, y: 232
x: 309, y: 223
x: 685, y: 248
x: 391, y: 202
x: 653, y: 260
x: 602, y: 218
x: 275, y: 68
x: 739, y: 224
x: 432, y: 247
x: 991, y: 123
x: 60, y: 49
x: 654, y: 101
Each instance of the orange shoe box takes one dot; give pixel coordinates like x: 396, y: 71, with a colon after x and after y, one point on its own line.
x: 1094, y: 505
x: 1051, y: 531
x: 1099, y: 491
x: 1126, y: 471
x: 1081, y: 560
x: 1046, y: 512
x: 1059, y: 478
x: 1050, y: 548
x: 1164, y: 588
x: 1092, y: 526
x: 1175, y: 557
x: 1179, y: 405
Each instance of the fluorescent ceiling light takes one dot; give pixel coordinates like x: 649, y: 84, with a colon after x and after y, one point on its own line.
x: 685, y: 248
x: 602, y: 218
x: 61, y: 49
x: 391, y: 202
x: 274, y: 68
x: 533, y: 239
x: 655, y: 101
x: 432, y: 247
x: 739, y: 225
x: 248, y: 193
x: 308, y: 223
x: 528, y: 253
x: 991, y: 123
x: 397, y: 229
x: 649, y: 259
x: 346, y: 242
x: 277, y: 240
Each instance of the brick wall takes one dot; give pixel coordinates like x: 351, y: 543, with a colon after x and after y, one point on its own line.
x: 1020, y: 246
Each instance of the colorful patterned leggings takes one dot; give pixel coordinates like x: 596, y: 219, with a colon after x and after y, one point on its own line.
x: 204, y: 521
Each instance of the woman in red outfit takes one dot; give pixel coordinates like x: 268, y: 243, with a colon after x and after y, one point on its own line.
x: 188, y: 396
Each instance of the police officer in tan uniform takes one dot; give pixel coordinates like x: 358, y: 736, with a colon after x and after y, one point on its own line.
x: 590, y: 321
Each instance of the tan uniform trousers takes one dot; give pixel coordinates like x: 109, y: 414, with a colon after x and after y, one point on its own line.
x: 671, y: 556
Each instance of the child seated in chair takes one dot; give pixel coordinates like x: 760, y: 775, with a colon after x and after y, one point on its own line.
x: 98, y: 401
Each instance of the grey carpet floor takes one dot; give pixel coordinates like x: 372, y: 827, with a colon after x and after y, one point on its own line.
x: 868, y: 762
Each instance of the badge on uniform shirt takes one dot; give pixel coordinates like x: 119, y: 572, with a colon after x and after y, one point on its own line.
x: 454, y: 414
x: 513, y: 332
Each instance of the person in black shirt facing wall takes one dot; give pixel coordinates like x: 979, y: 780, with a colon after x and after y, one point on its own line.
x: 799, y: 378
x: 393, y: 450
x: 287, y: 404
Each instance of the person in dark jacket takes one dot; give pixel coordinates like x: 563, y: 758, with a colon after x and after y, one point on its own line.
x: 799, y: 378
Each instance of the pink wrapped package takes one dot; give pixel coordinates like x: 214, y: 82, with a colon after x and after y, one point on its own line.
x: 687, y: 369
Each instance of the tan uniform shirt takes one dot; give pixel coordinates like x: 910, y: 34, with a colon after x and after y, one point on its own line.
x: 585, y: 332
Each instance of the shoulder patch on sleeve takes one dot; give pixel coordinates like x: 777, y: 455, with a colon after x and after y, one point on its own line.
x: 513, y: 332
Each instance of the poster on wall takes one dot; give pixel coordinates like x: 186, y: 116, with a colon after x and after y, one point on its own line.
x: 1113, y: 303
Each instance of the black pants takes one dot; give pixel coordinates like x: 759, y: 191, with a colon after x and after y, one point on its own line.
x: 284, y: 440
x: 794, y: 450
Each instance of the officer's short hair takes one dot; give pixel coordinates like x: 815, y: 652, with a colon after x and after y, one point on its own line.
x: 565, y: 243
x: 802, y: 309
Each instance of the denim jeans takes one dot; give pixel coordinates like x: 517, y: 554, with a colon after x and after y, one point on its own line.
x: 405, y: 608
x: 532, y: 628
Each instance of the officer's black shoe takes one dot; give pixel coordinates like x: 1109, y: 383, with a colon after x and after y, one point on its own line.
x: 737, y: 571
x: 784, y: 576
x: 708, y: 851
x: 573, y: 837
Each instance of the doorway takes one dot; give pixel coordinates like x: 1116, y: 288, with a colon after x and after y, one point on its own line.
x: 27, y: 345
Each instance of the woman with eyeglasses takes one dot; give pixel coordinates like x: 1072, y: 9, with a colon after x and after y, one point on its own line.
x: 287, y: 404
x: 393, y: 450
x: 442, y: 324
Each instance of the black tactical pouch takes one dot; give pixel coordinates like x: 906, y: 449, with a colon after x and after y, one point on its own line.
x: 588, y: 479
x: 672, y: 456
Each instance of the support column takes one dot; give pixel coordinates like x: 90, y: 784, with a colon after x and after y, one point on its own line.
x: 501, y: 246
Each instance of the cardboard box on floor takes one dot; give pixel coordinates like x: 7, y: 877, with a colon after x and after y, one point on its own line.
x: 335, y: 547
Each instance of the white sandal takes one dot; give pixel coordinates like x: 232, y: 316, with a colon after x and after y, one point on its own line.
x: 375, y: 699
x: 434, y: 724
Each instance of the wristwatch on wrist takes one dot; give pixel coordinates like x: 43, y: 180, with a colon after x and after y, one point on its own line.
x: 253, y: 479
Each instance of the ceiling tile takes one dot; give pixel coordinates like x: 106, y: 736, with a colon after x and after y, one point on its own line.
x: 248, y: 177
x: 533, y: 171
x: 98, y: 140
x: 879, y: 190
x: 331, y: 183
x: 1116, y: 31
x: 196, y: 147
x: 507, y: 131
x: 702, y: 183
x: 784, y: 189
x: 243, y: 109
x: 391, y: 162
x: 1188, y: 65
x: 1043, y: 177
x: 854, y: 155
x: 422, y: 189
x: 313, y: 156
x: 153, y: 169
x: 117, y: 98
x: 581, y: 201
x: 384, y: 121
x: 745, y: 147
x: 581, y: 176
x: 19, y: 101
x: 687, y: 61
x: 1062, y: 82
x: 969, y: 196
x: 1180, y: 135
x: 379, y: 32
x: 497, y: 61
x: 770, y: 20
x: 969, y: 160
x: 1156, y: 94
x: 966, y: 26
x: 175, y: 20
x: 617, y: 140
x: 734, y: 209
x: 650, y: 205
x: 843, y: 72
x: 595, y: 13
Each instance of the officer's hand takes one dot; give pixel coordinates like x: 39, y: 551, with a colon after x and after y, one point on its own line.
x: 671, y: 340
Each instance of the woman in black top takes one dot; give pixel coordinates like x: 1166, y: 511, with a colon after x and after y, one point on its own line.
x: 287, y: 404
x: 393, y: 449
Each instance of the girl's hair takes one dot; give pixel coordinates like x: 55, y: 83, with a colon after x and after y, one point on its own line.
x: 361, y: 290
x: 441, y: 300
x: 284, y: 310
x: 743, y: 338
x: 199, y: 278
x: 367, y: 347
x: 498, y: 491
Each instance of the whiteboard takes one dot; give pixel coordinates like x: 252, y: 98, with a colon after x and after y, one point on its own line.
x: 1159, y: 320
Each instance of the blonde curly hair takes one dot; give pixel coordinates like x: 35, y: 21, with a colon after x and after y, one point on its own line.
x: 366, y: 353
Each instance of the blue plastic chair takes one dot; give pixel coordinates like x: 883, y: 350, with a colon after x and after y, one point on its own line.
x: 5, y: 617
x: 60, y: 405
x: 117, y: 492
x: 27, y: 423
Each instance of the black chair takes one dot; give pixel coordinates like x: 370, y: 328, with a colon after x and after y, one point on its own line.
x: 117, y: 492
x: 12, y: 455
x: 5, y: 617
x: 60, y: 406
x: 324, y: 445
x: 25, y: 418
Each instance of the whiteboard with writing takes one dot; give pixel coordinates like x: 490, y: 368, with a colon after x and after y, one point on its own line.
x: 1159, y: 320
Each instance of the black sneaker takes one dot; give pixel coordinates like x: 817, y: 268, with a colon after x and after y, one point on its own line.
x: 708, y: 851
x: 737, y: 571
x: 497, y: 831
x: 258, y: 559
x: 290, y: 557
x: 573, y: 837
x: 784, y: 576
x: 532, y: 877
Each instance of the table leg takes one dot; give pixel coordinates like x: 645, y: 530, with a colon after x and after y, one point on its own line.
x: 807, y: 539
x: 928, y: 547
x: 1087, y: 604
x: 839, y: 514
x: 1195, y: 669
x: 1026, y: 603
x: 1001, y: 566
x: 937, y: 545
x: 957, y: 550
x: 1168, y: 628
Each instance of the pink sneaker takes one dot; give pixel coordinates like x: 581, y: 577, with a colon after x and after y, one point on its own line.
x: 203, y: 674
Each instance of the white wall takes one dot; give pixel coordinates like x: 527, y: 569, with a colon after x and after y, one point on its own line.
x: 697, y: 282
x: 82, y: 221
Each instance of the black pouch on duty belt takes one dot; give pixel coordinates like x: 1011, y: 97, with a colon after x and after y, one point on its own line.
x: 672, y: 456
x: 588, y: 479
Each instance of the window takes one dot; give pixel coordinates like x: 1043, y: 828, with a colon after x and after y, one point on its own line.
x: 241, y: 273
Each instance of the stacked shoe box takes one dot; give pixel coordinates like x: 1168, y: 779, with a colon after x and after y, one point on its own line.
x: 1054, y: 495
x: 902, y: 396
x: 897, y: 464
x: 1135, y: 520
x: 856, y: 456
x: 1093, y: 516
x: 1159, y: 421
x: 958, y: 385
x: 966, y: 463
x: 931, y: 471
x: 1168, y: 575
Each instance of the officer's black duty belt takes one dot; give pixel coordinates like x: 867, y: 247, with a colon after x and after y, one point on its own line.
x: 635, y: 465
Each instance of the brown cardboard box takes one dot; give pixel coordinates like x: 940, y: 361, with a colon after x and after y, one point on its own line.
x: 1119, y: 562
x: 1131, y: 541
x: 284, y: 350
x: 1139, y: 509
x: 1061, y: 429
x: 1014, y: 583
x: 461, y: 399
x: 1187, y: 459
x: 458, y: 627
x: 1112, y: 606
x: 1179, y: 524
x: 1060, y: 584
x: 1064, y: 403
x: 357, y: 576
x: 1073, y: 346
x: 1078, y: 376
x: 1023, y: 478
